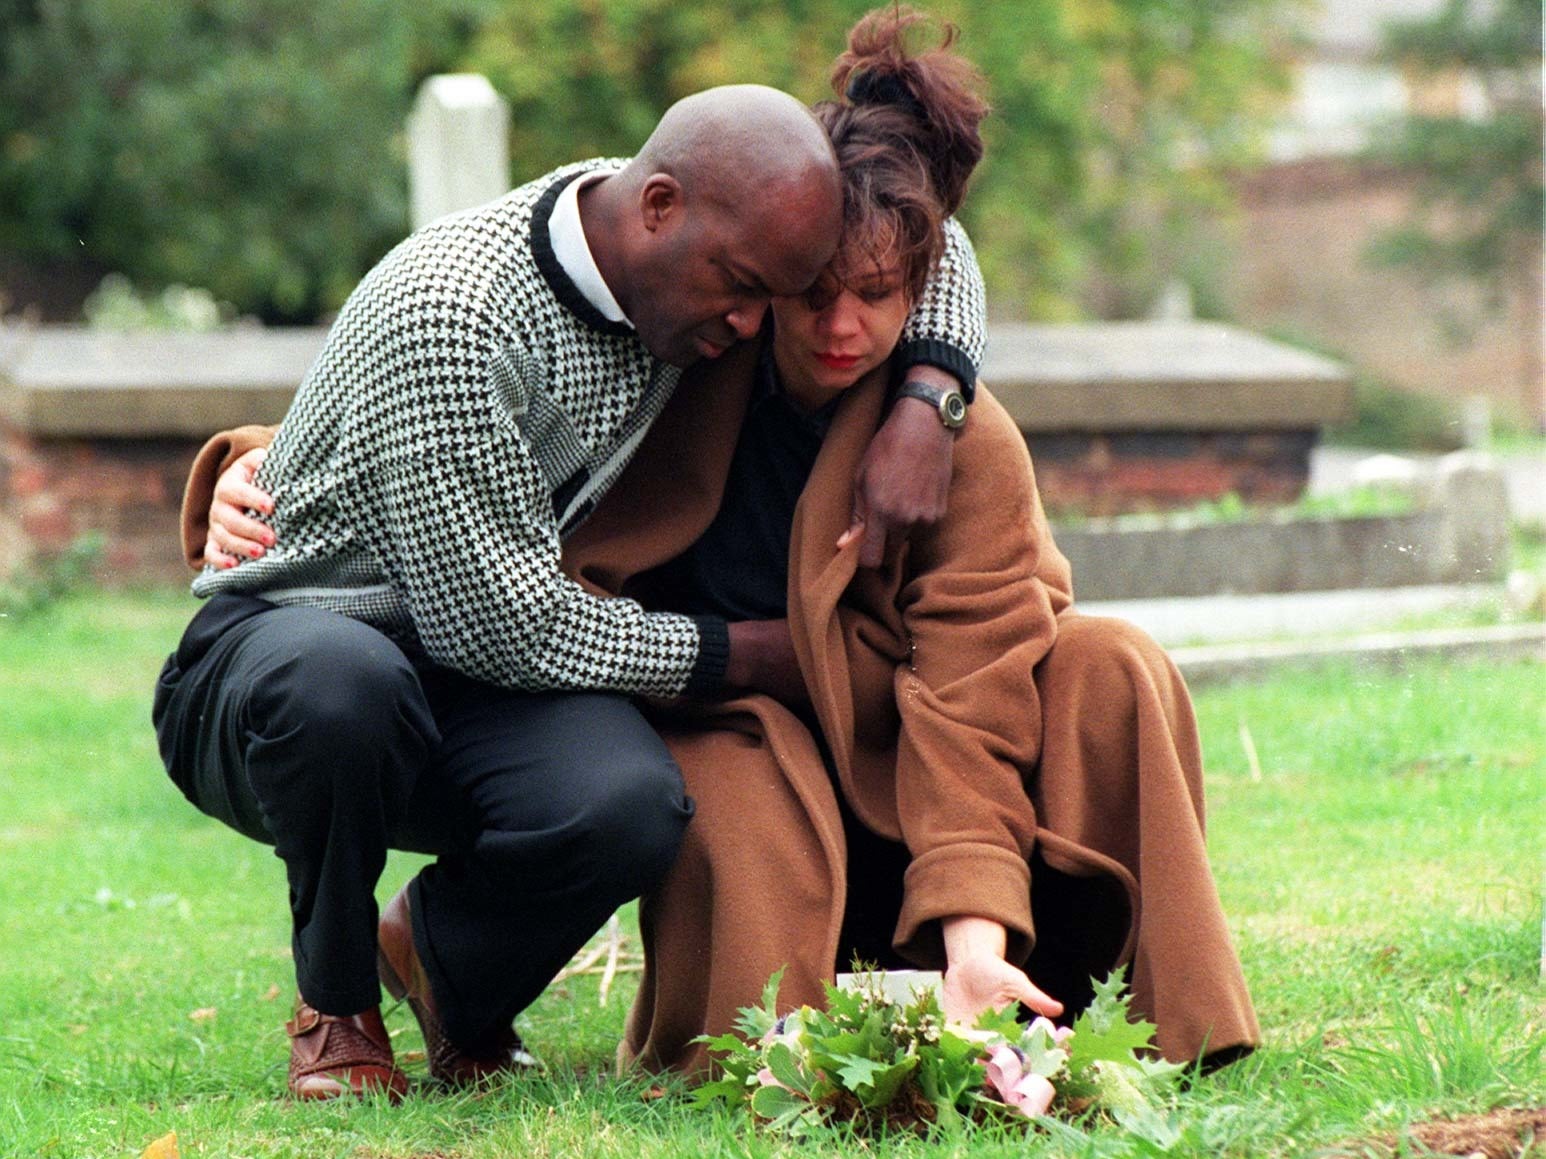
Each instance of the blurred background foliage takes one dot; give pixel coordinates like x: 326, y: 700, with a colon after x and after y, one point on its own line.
x: 1481, y: 193
x: 247, y: 147
x: 253, y: 148
x: 1478, y: 211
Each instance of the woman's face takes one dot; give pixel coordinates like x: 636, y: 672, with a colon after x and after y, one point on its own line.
x: 846, y: 325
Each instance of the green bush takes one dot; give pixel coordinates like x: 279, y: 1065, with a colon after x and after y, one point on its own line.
x: 1113, y: 119
x: 116, y: 305
x: 251, y: 148
x: 42, y: 582
x: 247, y: 147
x: 1397, y: 420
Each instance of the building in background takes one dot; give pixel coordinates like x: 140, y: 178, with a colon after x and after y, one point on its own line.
x: 1310, y: 215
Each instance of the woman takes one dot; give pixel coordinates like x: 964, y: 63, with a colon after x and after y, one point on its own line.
x: 955, y: 781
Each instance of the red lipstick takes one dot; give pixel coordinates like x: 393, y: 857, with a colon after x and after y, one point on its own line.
x: 838, y: 361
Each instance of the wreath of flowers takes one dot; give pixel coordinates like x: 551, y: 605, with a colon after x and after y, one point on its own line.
x: 876, y: 1062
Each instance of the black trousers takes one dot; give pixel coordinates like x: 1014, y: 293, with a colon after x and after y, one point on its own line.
x: 314, y: 733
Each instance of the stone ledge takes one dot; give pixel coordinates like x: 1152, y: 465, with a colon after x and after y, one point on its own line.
x: 1189, y: 621
x: 71, y: 382
x: 1221, y: 663
x: 1458, y: 534
x: 1197, y: 376
x: 68, y: 381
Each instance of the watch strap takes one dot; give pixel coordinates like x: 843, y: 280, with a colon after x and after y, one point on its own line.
x: 949, y: 402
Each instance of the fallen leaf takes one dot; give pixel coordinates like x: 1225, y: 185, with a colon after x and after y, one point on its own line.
x: 653, y: 1093
x: 203, y: 1014
x: 162, y: 1148
x: 271, y: 993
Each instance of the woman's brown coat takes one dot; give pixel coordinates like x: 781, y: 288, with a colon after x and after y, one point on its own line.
x: 1041, y: 766
x: 970, y: 713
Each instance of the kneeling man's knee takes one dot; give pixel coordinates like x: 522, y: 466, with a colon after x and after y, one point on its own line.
x: 344, y: 707
x: 639, y: 818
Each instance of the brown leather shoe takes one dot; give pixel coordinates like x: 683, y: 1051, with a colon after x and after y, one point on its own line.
x: 403, y: 975
x: 333, y: 1057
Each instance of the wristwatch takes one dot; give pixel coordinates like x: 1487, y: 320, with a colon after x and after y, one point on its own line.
x: 948, y: 401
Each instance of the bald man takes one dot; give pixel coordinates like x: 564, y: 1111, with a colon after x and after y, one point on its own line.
x: 408, y: 667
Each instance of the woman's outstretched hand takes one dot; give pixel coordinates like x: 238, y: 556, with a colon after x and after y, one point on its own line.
x: 977, y: 977
x: 233, y: 534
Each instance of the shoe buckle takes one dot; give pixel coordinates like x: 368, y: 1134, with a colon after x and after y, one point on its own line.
x: 306, y: 1020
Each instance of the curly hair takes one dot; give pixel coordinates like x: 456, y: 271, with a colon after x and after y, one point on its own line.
x: 905, y: 128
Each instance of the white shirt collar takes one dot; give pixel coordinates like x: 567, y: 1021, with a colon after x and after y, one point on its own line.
x: 573, y: 251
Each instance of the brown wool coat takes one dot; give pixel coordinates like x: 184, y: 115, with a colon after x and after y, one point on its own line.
x: 970, y: 713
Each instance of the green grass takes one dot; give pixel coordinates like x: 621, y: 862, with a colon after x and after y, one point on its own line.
x: 1381, y: 860
x: 1356, y: 503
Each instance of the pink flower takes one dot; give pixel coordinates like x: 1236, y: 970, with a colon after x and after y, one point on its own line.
x: 1030, y: 1094
x: 1059, y: 1034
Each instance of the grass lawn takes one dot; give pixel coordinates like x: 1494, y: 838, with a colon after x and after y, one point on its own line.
x: 1381, y: 858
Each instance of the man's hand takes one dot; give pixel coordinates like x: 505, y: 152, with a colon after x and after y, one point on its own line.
x: 977, y: 977
x: 903, y: 480
x: 762, y: 659
x: 233, y: 534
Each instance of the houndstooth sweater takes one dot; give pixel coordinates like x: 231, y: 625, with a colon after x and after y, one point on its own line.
x: 469, y: 408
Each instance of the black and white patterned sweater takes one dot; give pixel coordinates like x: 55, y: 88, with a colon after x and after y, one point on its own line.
x: 468, y: 410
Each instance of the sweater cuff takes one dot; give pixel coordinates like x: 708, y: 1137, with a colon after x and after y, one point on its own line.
x: 949, y: 358
x: 713, y: 654
x: 986, y: 881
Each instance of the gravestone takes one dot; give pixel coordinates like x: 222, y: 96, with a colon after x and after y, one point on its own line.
x: 97, y: 428
x: 458, y: 146
x: 1125, y: 416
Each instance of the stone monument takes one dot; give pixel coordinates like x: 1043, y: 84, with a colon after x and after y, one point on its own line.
x: 458, y: 146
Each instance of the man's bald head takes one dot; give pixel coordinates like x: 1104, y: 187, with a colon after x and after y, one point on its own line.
x: 735, y: 197
x: 736, y: 141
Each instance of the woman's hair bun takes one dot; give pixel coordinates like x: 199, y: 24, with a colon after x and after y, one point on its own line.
x: 870, y: 87
x: 940, y: 91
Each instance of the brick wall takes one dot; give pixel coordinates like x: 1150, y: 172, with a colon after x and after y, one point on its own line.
x: 1112, y: 473
x: 53, y: 491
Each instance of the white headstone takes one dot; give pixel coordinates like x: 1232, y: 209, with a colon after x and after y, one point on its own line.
x: 1470, y: 484
x: 1393, y: 472
x: 1476, y: 422
x: 1174, y: 303
x: 458, y: 146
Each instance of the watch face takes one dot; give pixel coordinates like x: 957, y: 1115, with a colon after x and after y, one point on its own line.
x: 952, y: 408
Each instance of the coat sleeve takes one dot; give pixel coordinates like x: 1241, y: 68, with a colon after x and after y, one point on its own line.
x: 978, y: 611
x: 208, y: 465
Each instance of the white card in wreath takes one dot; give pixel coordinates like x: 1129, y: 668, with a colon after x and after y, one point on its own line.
x: 900, y: 986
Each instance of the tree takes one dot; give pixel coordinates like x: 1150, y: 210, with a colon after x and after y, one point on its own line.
x: 252, y: 147
x: 1114, y: 118
x: 1478, y: 211
x: 245, y: 146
